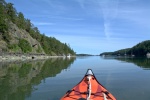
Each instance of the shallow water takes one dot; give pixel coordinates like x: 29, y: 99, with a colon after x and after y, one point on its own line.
x: 125, y: 78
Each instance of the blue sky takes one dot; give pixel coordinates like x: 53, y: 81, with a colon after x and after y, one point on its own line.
x: 90, y: 26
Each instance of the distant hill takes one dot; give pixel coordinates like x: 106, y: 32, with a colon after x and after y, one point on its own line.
x: 141, y: 49
x: 19, y: 35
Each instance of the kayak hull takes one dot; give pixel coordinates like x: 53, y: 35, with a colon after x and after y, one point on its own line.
x: 85, y: 91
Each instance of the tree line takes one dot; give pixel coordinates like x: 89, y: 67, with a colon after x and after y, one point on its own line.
x: 50, y: 45
x: 141, y: 49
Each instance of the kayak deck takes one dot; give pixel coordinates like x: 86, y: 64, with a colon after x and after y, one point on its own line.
x: 88, y: 89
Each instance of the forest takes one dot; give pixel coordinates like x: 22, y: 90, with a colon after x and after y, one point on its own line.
x: 50, y: 45
x: 141, y: 49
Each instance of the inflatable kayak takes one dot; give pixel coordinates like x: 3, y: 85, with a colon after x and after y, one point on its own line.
x: 88, y: 89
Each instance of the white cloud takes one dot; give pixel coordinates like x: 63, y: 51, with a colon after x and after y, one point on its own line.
x: 110, y: 11
x: 107, y: 30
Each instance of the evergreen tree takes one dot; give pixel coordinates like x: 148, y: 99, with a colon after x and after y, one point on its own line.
x: 3, y: 24
x: 11, y: 12
x: 21, y: 21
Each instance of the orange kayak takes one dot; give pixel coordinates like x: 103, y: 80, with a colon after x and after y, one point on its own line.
x: 88, y: 89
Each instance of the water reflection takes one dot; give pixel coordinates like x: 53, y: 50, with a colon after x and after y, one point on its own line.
x: 17, y: 79
x: 140, y: 62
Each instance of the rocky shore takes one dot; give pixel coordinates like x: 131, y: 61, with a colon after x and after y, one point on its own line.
x: 14, y: 57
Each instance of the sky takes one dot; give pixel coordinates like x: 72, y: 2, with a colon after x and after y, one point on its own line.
x: 90, y: 26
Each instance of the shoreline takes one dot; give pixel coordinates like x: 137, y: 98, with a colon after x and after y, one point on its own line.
x: 27, y: 57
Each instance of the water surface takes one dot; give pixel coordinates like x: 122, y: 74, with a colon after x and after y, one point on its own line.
x: 125, y: 78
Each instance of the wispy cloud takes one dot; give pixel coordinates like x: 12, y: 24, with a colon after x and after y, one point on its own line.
x: 66, y: 18
x: 43, y: 23
x: 107, y: 30
x: 108, y: 9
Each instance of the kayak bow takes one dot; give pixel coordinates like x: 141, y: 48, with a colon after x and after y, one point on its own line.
x: 88, y: 89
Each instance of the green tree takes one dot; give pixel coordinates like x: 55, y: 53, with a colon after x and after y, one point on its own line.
x: 28, y: 25
x: 11, y: 12
x: 21, y: 21
x: 3, y: 24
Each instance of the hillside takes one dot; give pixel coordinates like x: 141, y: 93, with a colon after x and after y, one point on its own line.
x: 141, y: 49
x: 19, y: 35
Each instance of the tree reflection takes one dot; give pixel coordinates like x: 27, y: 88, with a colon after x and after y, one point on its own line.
x: 141, y: 62
x: 17, y: 79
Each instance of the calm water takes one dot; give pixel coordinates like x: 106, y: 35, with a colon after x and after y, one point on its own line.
x: 125, y: 78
